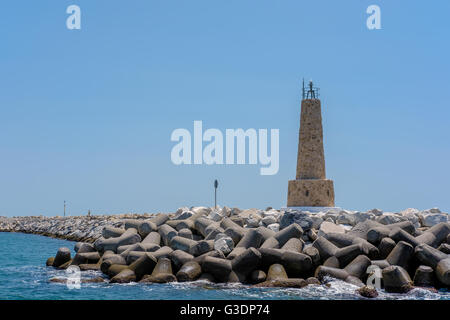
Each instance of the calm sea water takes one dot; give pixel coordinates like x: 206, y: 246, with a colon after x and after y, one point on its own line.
x: 23, y: 275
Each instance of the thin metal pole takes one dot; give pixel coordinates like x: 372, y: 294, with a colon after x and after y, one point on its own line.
x: 216, y: 184
x: 64, y: 208
x: 303, y: 89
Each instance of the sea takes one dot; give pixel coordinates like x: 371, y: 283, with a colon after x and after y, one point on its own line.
x: 24, y: 276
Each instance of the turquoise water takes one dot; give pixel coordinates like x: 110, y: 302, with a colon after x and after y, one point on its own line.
x: 23, y: 275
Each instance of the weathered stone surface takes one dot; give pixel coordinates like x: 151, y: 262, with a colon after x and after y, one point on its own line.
x: 223, y: 243
x: 412, y: 215
x: 431, y: 219
x: 310, y: 156
x: 390, y: 218
x: 367, y: 292
x: 184, y: 215
x: 298, y: 217
x: 310, y: 193
x: 268, y: 220
x: 215, y: 215
x: 329, y: 227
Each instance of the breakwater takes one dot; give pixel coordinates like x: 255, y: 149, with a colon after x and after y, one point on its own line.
x: 73, y: 228
x: 266, y: 248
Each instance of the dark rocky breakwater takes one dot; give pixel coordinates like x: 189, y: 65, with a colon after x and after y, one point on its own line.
x: 73, y: 228
x: 270, y: 248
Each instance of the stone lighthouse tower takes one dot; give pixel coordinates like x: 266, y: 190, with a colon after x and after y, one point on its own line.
x: 310, y: 188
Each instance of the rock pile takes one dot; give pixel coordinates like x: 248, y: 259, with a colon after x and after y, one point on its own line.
x: 74, y: 228
x: 268, y: 248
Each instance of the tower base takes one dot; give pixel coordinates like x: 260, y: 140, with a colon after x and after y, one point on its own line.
x: 310, y: 193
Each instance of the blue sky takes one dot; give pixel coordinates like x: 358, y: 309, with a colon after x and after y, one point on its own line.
x: 86, y: 115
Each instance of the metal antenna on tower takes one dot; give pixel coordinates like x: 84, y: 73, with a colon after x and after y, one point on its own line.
x: 303, y: 89
x: 313, y: 92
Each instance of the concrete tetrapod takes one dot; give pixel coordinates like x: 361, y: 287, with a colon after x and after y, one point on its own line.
x: 144, y: 227
x: 277, y: 277
x: 162, y: 273
x: 257, y: 276
x: 83, y: 247
x: 181, y: 224
x: 86, y: 258
x: 111, y: 260
x: 352, y: 273
x: 214, y: 253
x: 344, y: 255
x: 293, y: 244
x: 115, y: 269
x: 111, y: 232
x: 436, y: 259
x: 424, y: 277
x: 292, y: 231
x: 124, y: 276
x: 435, y: 235
x: 344, y: 240
x: 144, y: 265
x: 152, y: 237
x: 374, y: 235
x: 190, y: 271
x: 160, y: 219
x: 179, y: 258
x: 130, y: 236
x: 167, y: 233
x: 314, y: 254
x: 183, y: 244
x: 400, y: 256
x: 385, y: 247
x: 201, y: 247
x: 246, y: 262
x: 62, y: 257
x: 219, y: 268
x: 396, y: 279
x: 251, y: 239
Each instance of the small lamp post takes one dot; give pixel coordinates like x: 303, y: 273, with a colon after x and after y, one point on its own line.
x: 216, y: 184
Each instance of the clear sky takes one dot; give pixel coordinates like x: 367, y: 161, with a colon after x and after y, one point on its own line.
x: 86, y: 115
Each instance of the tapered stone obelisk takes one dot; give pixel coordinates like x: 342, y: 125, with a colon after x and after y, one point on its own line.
x: 310, y: 188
